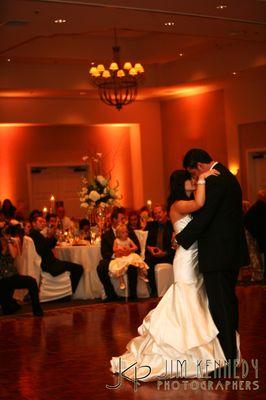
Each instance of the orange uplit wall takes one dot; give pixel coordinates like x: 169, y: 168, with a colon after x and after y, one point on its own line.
x: 194, y: 121
x: 23, y: 146
x: 66, y: 139
x: 252, y: 137
x: 244, y: 103
x: 158, y: 133
x: 7, y: 161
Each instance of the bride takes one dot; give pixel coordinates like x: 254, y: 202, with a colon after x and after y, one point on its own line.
x: 178, y: 338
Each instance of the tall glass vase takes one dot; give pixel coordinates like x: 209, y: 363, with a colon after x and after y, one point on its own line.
x: 100, y: 216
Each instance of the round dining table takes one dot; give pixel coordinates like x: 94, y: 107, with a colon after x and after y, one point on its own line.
x: 88, y: 256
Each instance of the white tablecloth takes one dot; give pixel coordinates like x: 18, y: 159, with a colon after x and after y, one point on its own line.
x: 89, y: 286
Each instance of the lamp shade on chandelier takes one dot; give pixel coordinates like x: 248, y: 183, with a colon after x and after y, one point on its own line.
x: 118, y: 84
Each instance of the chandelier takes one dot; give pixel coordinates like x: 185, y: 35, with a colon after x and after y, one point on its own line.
x: 118, y: 84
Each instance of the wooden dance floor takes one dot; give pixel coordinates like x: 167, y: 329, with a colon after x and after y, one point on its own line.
x: 66, y: 354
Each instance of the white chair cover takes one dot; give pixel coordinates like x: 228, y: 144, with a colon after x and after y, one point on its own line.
x: 29, y: 263
x: 142, y: 237
x: 54, y: 287
x: 164, y: 277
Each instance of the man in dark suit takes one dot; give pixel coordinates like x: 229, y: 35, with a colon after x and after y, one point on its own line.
x: 222, y: 249
x: 158, y: 246
x: 50, y: 263
x: 107, y: 242
x: 255, y: 222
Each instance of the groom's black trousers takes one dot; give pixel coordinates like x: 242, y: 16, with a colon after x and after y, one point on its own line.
x: 223, y: 303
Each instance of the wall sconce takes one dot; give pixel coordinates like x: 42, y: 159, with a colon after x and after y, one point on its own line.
x: 234, y: 169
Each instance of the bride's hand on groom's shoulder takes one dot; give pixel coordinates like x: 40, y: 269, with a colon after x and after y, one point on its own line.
x: 211, y: 172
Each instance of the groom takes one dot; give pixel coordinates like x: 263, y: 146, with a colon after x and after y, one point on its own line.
x: 222, y: 247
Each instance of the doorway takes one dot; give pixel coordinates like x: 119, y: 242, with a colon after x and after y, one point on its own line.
x: 63, y: 182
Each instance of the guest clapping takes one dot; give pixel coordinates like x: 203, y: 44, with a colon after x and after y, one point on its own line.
x: 50, y: 263
x: 50, y: 229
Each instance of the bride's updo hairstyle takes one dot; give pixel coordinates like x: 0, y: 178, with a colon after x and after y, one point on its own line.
x: 177, y: 186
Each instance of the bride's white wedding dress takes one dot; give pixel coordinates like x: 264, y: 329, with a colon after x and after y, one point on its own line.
x: 180, y: 328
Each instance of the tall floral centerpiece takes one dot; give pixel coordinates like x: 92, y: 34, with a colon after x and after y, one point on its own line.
x: 96, y: 194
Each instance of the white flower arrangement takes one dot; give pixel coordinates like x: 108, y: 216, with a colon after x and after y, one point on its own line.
x: 97, y: 192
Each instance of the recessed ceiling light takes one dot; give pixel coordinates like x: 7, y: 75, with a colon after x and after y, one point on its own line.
x: 8, y: 59
x: 181, y: 54
x: 234, y: 73
x: 170, y: 23
x: 59, y: 21
x: 221, y: 7
x: 92, y: 63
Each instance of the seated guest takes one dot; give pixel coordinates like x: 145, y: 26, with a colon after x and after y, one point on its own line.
x: 21, y: 211
x: 145, y: 217
x: 255, y: 222
x: 50, y: 263
x: 51, y: 222
x: 27, y: 227
x: 124, y: 251
x: 256, y: 263
x: 11, y: 280
x: 134, y: 220
x: 35, y: 213
x: 118, y: 216
x: 84, y: 228
x: 8, y: 209
x: 158, y: 246
x: 64, y: 222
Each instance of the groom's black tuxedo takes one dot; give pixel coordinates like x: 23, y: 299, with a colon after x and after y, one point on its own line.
x: 222, y: 250
x: 218, y: 226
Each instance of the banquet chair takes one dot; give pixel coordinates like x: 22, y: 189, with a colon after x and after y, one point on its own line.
x: 50, y: 287
x: 164, y: 277
x: 163, y: 271
x: 54, y: 287
x: 142, y: 288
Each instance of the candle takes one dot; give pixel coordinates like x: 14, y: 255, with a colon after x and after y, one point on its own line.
x: 44, y: 210
x: 52, y: 204
x: 149, y: 203
x: 99, y: 155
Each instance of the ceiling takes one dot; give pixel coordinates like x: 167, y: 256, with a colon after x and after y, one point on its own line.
x: 178, y: 42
